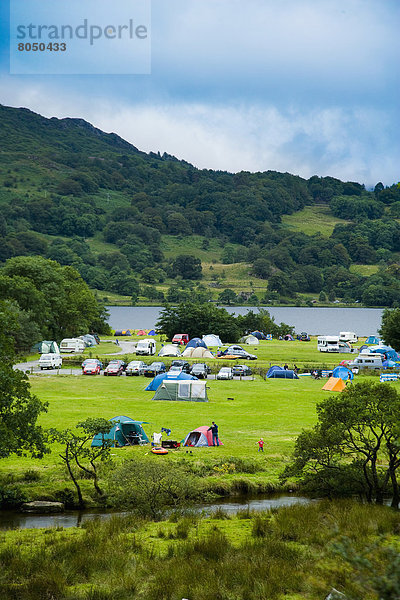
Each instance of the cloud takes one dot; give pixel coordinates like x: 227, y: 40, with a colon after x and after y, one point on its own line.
x: 348, y: 143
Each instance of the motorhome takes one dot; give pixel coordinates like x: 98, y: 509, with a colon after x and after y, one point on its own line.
x: 328, y: 343
x: 50, y: 361
x: 367, y: 360
x: 146, y: 347
x: 348, y: 336
x: 72, y: 345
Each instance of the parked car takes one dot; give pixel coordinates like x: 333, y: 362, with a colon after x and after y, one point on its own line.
x: 155, y: 369
x: 185, y: 366
x: 225, y: 373
x: 175, y: 370
x: 239, y: 352
x: 200, y: 370
x: 241, y: 370
x: 135, y: 367
x: 91, y: 366
x: 115, y: 367
x: 50, y: 361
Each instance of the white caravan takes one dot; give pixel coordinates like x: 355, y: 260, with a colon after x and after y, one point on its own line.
x: 328, y: 343
x: 368, y: 360
x: 146, y: 348
x: 348, y: 336
x: 72, y: 345
x: 50, y: 361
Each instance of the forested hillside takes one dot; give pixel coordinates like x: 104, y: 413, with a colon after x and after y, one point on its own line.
x: 152, y: 227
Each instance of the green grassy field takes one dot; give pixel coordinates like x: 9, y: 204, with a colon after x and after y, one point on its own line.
x: 312, y: 219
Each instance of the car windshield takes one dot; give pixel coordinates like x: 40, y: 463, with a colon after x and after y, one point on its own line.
x: 225, y: 370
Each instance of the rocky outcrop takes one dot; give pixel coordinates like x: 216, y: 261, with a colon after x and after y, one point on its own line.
x: 41, y: 506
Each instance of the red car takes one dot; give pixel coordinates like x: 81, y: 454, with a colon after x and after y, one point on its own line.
x: 115, y: 367
x: 181, y: 339
x: 91, y: 366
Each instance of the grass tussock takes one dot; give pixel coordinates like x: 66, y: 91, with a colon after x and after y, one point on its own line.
x: 294, y: 552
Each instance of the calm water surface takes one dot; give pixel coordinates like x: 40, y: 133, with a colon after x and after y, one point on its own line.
x: 316, y: 321
x: 11, y: 520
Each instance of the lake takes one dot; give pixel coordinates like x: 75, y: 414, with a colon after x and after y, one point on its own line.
x: 316, y: 321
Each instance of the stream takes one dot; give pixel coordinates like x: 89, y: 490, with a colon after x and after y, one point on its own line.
x: 14, y: 520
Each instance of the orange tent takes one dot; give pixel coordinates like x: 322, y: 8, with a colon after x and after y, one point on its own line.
x: 334, y: 384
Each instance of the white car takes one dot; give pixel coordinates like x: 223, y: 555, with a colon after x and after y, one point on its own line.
x: 225, y: 373
x: 50, y: 361
x: 135, y: 367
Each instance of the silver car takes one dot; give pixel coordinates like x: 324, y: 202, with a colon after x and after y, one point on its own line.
x: 135, y: 367
x: 225, y: 373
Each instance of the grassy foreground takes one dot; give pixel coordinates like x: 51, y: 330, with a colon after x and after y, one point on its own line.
x: 296, y: 553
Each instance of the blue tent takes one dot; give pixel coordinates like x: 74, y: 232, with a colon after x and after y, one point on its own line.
x: 389, y: 364
x: 342, y: 372
x: 195, y: 343
x: 272, y: 369
x: 125, y: 432
x: 281, y: 374
x: 152, y: 332
x: 372, y: 340
x: 388, y: 351
x: 259, y: 335
x: 157, y: 381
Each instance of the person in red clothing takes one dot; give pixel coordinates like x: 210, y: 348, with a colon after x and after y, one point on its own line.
x: 260, y: 445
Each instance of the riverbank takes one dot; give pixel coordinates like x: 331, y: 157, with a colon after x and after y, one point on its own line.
x: 294, y: 553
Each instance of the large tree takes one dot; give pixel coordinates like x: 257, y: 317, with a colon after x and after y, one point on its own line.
x: 198, y: 319
x: 355, y: 444
x: 390, y: 327
x: 19, y: 408
x: 56, y: 297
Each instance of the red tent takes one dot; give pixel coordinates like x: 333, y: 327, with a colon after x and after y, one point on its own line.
x: 200, y: 437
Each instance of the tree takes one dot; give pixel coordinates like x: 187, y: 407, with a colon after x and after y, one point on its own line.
x: 187, y: 266
x: 227, y: 296
x: 19, y: 408
x: 390, y: 327
x: 77, y: 453
x: 198, y: 319
x: 356, y: 440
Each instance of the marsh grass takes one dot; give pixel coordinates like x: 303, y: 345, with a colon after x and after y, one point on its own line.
x: 295, y: 552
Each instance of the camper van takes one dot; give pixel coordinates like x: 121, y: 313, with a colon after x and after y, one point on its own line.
x: 367, y: 360
x: 146, y: 347
x: 348, y: 336
x: 328, y: 343
x: 50, y: 361
x: 72, y: 345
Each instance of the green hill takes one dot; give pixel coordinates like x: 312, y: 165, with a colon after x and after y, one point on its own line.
x: 150, y: 227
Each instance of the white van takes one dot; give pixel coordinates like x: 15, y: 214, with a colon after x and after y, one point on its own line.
x: 328, y: 343
x: 146, y: 347
x: 368, y: 360
x: 50, y: 361
x: 348, y: 336
x: 72, y: 345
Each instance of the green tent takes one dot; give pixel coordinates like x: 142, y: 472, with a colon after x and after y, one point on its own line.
x: 46, y: 347
x: 186, y: 390
x: 125, y: 432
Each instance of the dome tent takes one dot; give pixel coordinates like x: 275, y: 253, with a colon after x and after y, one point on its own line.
x: 251, y: 340
x: 198, y: 352
x: 276, y: 372
x: 259, y: 335
x: 125, y: 432
x: 169, y: 350
x: 211, y: 339
x: 199, y: 438
x: 196, y: 342
x: 158, y: 379
x: 342, y: 372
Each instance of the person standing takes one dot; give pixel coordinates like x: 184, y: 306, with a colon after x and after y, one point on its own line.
x: 260, y: 445
x: 214, y: 431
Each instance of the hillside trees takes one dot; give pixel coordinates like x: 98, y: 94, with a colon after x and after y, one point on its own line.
x: 57, y: 299
x: 390, y: 327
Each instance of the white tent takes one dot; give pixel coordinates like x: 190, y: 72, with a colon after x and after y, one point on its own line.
x: 212, y: 340
x: 198, y: 352
x: 251, y: 340
x: 169, y: 350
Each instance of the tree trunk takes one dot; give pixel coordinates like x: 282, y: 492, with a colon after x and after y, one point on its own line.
x: 66, y: 458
